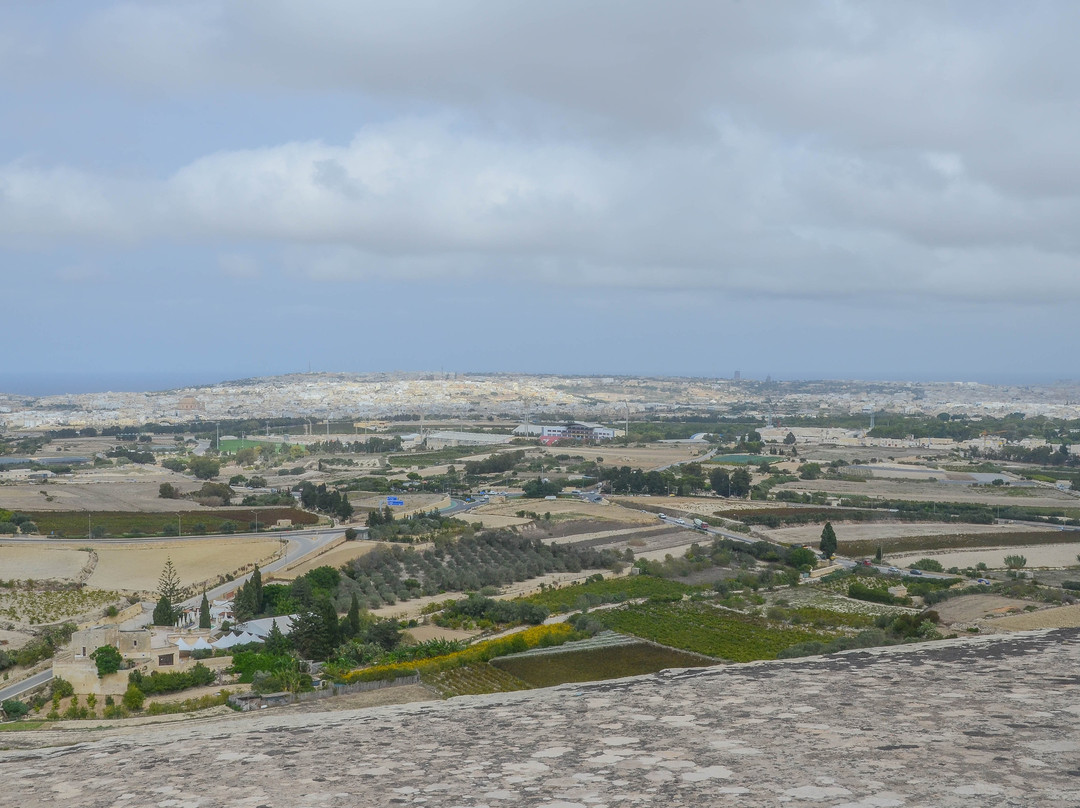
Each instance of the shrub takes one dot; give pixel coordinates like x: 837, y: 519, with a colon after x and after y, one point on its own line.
x: 133, y: 698
x: 1015, y: 562
x: 62, y: 688
x: 13, y: 708
x: 927, y: 564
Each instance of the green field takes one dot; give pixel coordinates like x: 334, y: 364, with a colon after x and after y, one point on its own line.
x: 610, y: 590
x: 592, y: 665
x: 447, y: 455
x: 233, y: 445
x: 745, y: 460
x: 705, y: 629
x: 73, y: 524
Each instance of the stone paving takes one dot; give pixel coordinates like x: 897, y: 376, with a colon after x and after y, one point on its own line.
x: 972, y: 722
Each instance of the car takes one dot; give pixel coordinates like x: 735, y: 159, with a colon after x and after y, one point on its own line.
x: 983, y: 581
x: 894, y: 569
x: 915, y: 572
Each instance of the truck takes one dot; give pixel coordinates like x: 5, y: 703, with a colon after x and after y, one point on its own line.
x: 699, y: 524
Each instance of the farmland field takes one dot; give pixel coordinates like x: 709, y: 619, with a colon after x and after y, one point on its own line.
x: 471, y: 680
x: 937, y: 492
x: 592, y: 665
x: 34, y: 607
x: 135, y: 567
x: 959, y: 541
x: 610, y: 590
x: 646, y: 457
x: 1048, y: 555
x: 73, y: 524
x: 705, y: 629
x: 23, y: 561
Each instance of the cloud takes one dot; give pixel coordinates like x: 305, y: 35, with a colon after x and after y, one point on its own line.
x: 836, y: 149
x: 742, y: 213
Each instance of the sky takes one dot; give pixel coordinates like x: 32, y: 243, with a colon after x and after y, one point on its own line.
x: 213, y: 190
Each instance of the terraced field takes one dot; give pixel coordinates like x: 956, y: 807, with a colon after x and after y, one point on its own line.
x: 706, y: 629
x: 473, y: 680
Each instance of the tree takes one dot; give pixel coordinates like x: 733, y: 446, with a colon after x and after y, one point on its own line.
x: 169, y: 583
x: 244, y: 603
x: 354, y: 617
x: 802, y: 559
x: 107, y: 659
x: 740, y: 483
x: 163, y: 613
x: 204, y: 468
x: 257, y: 589
x: 276, y: 643
x: 789, y: 439
x: 720, y: 481
x: 314, y: 631
x: 810, y: 471
x: 351, y: 533
x: 828, y: 540
x: 168, y: 491
x: 204, y: 612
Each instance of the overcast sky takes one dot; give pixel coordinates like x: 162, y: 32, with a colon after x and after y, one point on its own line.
x: 807, y: 189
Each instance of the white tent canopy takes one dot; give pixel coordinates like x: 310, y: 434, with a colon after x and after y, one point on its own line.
x: 183, y: 646
x: 202, y: 645
x: 228, y: 641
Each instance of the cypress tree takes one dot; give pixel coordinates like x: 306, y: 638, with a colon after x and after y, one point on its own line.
x: 828, y: 540
x: 204, y: 612
x: 257, y: 590
x: 354, y: 617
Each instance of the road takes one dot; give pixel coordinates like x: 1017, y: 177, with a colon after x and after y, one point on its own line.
x: 12, y: 691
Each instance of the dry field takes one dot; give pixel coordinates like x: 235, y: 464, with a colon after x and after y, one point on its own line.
x: 13, y: 640
x: 40, y: 562
x: 136, y: 567
x: 1060, y: 617
x: 940, y: 492
x: 646, y: 458
x: 705, y: 506
x: 100, y: 491
x: 884, y: 531
x: 972, y: 608
x: 490, y: 520
x: 1046, y: 555
x: 342, y: 554
x: 564, y: 508
x: 414, y: 503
